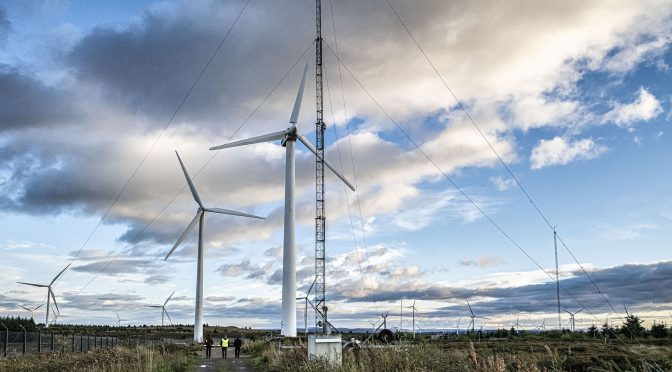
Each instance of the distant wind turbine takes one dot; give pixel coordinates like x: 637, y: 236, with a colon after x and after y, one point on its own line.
x: 473, y: 318
x: 288, y: 138
x: 305, y: 308
x: 517, y: 325
x: 572, y: 322
x: 32, y: 311
x: 119, y: 320
x: 163, y: 309
x: 50, y: 293
x: 414, y: 310
x: 200, y: 218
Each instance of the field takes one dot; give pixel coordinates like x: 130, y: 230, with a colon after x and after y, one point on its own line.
x: 119, y: 358
x: 488, y: 355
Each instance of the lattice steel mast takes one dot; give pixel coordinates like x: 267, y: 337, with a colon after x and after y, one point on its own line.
x: 320, y: 228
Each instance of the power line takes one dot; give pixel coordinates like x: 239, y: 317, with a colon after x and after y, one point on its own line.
x: 352, y: 158
x: 457, y: 187
x: 347, y: 199
x: 163, y: 130
x: 501, y: 160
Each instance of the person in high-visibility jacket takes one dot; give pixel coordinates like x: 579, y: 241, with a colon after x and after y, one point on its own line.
x: 225, y: 345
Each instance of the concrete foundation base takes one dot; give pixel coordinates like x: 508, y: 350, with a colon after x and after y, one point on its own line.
x: 325, y: 346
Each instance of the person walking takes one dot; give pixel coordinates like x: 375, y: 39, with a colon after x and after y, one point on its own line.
x: 237, y: 344
x: 208, y: 346
x: 225, y: 345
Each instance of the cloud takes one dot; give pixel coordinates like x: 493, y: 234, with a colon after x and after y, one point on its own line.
x: 627, y: 232
x: 28, y: 103
x: 645, y: 107
x: 12, y: 244
x: 560, y: 151
x: 502, y: 183
x: 5, y: 25
x: 484, y: 262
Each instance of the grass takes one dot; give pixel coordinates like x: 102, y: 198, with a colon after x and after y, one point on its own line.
x: 499, y: 355
x: 119, y: 358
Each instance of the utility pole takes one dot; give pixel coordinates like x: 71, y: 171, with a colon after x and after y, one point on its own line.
x: 320, y: 228
x: 557, y: 276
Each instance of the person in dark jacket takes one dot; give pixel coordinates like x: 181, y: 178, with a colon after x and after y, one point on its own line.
x: 208, y: 346
x: 237, y: 344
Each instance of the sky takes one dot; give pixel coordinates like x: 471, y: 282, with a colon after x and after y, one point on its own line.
x: 574, y: 97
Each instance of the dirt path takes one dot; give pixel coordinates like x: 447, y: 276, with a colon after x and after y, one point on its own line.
x: 217, y: 363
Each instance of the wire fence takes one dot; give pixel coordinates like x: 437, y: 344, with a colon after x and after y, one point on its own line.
x: 16, y: 344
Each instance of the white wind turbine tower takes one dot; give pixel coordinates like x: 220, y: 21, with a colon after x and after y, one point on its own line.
x: 289, y: 137
x: 32, y: 311
x: 200, y: 218
x: 163, y: 309
x: 414, y: 310
x: 50, y: 293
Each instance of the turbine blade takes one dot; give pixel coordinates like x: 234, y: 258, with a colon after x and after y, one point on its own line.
x: 61, y: 273
x: 270, y: 137
x: 299, y: 97
x: 168, y: 315
x: 310, y: 288
x: 194, y: 193
x: 54, y: 298
x: 153, y: 305
x: 185, y: 233
x: 233, y: 213
x: 312, y: 148
x: 579, y: 311
x: 24, y: 308
x: 169, y: 297
x: 34, y: 285
x: 472, y: 312
x: 38, y: 307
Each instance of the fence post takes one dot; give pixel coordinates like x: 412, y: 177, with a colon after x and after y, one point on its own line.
x: 73, y: 341
x: 63, y: 343
x: 39, y: 341
x: 52, y: 341
x: 24, y: 339
x: 4, y: 347
x: 81, y: 342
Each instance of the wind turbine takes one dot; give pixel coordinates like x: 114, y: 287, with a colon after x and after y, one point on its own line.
x: 517, y: 325
x: 163, y: 309
x: 571, y: 317
x: 32, y: 311
x: 542, y: 327
x: 305, y: 308
x: 119, y: 320
x: 288, y: 138
x: 50, y: 293
x: 457, y: 328
x: 414, y: 310
x: 473, y: 317
x: 200, y: 218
